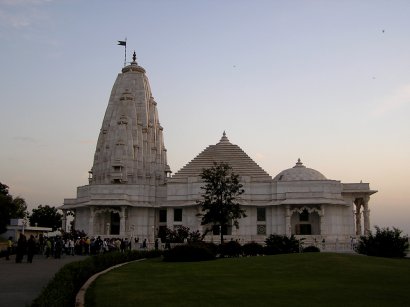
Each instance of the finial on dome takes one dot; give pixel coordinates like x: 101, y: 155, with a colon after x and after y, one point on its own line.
x: 224, y: 138
x: 134, y: 57
x: 299, y: 164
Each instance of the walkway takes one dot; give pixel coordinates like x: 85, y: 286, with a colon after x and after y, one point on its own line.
x: 21, y: 283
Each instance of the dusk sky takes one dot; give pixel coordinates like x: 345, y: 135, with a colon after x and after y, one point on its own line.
x: 324, y: 81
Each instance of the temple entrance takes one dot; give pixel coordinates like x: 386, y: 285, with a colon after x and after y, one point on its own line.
x: 115, y: 223
x: 305, y: 223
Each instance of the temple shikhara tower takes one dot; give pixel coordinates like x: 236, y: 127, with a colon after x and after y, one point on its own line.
x: 131, y: 194
x: 127, y: 179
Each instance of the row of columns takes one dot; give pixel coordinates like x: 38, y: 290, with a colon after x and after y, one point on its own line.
x: 93, y: 212
x: 362, y: 207
x: 360, y: 203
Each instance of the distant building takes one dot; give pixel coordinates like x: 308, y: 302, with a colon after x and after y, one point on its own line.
x: 131, y: 193
x: 20, y: 226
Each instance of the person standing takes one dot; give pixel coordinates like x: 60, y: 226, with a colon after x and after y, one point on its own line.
x: 58, y: 247
x: 21, y: 248
x: 9, y: 247
x: 71, y: 246
x: 31, y: 249
x: 48, y: 247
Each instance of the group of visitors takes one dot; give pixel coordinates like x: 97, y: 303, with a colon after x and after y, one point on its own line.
x: 55, y: 247
x: 22, y: 247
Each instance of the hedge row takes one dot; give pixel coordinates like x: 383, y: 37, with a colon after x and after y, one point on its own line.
x: 201, y: 251
x: 190, y: 252
x: 63, y: 288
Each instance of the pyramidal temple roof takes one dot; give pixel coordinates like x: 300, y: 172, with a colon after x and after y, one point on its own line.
x: 224, y: 151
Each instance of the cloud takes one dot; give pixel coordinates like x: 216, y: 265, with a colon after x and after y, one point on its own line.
x: 399, y: 98
x: 23, y: 2
x: 27, y: 139
x: 14, y: 20
x: 20, y: 14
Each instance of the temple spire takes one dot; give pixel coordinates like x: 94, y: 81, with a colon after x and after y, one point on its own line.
x: 130, y: 147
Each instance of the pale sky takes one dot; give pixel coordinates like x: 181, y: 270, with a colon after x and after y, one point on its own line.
x: 324, y: 81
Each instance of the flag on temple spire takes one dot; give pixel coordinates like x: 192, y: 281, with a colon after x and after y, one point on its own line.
x: 124, y: 43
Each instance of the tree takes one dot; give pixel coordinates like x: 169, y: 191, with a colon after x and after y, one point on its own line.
x: 385, y: 242
x: 46, y: 216
x: 218, y: 203
x: 179, y: 235
x: 10, y: 208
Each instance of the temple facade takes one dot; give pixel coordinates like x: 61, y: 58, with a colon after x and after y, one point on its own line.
x: 131, y: 192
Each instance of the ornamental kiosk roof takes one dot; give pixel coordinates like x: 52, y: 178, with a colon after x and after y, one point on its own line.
x: 223, y: 151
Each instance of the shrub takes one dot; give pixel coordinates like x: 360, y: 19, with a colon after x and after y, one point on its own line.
x: 211, y: 246
x: 195, y: 236
x: 311, y: 249
x: 179, y: 235
x: 281, y: 244
x: 230, y: 249
x: 252, y: 249
x: 63, y: 288
x: 384, y: 243
x: 188, y: 253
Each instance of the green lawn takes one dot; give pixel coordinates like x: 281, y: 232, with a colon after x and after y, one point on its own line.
x: 311, y: 279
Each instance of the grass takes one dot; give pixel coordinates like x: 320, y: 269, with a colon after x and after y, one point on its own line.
x: 311, y: 279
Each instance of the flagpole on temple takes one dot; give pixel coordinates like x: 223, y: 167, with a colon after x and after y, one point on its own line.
x: 125, y: 53
x: 124, y: 43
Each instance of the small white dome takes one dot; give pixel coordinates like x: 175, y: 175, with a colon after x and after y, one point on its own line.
x: 299, y: 172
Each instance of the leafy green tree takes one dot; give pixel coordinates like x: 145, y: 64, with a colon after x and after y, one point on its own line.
x: 10, y: 208
x: 46, y: 216
x: 4, y: 189
x: 385, y: 242
x: 219, y: 199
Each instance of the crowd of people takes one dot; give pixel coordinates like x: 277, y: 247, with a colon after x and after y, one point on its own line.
x: 55, y: 247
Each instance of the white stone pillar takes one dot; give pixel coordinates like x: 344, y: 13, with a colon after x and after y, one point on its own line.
x: 91, y: 222
x: 358, y: 203
x: 288, y: 227
x: 122, y: 221
x: 322, y: 220
x: 64, y: 220
x: 366, y: 216
x: 170, y: 218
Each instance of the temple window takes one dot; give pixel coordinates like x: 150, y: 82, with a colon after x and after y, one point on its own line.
x: 177, y: 215
x: 261, y: 214
x: 163, y: 216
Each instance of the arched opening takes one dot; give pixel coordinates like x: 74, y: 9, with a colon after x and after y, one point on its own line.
x: 305, y: 223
